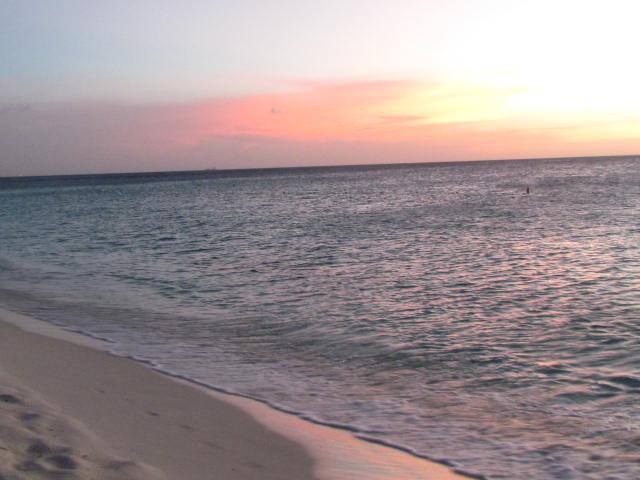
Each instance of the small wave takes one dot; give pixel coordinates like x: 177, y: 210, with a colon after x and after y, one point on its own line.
x: 627, y: 381
x: 359, y: 433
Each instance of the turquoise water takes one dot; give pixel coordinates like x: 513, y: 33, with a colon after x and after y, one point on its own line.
x: 434, y: 307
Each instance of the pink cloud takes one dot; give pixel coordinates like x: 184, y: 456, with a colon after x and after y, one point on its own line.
x: 319, y: 124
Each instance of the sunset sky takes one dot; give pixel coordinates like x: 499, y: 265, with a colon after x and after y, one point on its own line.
x: 163, y: 85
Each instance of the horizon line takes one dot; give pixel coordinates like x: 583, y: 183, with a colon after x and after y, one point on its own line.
x: 214, y: 170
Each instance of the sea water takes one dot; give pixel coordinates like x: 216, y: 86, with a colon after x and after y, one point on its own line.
x: 439, y: 308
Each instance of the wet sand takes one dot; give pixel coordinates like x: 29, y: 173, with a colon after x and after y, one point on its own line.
x: 68, y: 410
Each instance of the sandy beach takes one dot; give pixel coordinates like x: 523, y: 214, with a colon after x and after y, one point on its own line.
x: 72, y: 411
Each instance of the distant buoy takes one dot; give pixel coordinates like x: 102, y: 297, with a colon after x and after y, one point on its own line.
x: 527, y: 189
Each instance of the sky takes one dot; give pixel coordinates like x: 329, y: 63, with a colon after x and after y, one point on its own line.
x: 148, y: 85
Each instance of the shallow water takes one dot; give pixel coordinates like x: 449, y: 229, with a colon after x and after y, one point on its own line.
x: 437, y: 307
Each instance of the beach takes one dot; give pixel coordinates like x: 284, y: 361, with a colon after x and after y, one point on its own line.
x: 435, y: 309
x: 69, y: 410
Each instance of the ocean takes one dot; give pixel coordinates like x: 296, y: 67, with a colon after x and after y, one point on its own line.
x: 435, y: 307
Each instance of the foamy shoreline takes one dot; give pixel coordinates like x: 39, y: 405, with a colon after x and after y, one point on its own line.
x: 70, y: 407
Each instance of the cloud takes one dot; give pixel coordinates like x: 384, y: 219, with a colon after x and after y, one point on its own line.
x: 354, y: 122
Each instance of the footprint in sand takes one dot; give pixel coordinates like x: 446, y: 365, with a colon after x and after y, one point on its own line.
x: 38, y: 449
x: 7, y: 398
x: 62, y: 462
x: 32, y: 445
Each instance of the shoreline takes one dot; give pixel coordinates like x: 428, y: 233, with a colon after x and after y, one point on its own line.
x: 167, y: 427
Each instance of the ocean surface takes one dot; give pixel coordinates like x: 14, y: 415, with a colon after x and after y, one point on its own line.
x: 434, y: 307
